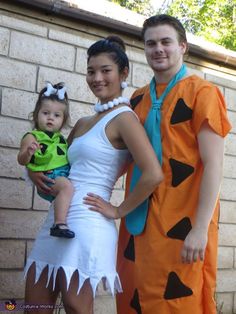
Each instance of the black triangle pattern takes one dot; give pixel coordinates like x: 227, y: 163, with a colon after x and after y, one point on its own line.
x: 129, y: 252
x: 180, y: 230
x: 180, y: 171
x: 60, y: 151
x: 32, y: 159
x: 134, y: 303
x: 62, y: 140
x: 181, y: 112
x: 175, y: 288
x: 49, y: 134
x: 134, y: 101
x: 43, y: 147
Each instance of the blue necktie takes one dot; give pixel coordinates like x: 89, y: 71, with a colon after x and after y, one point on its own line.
x: 135, y: 221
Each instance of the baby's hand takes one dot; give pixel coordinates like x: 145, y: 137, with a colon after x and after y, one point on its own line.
x: 33, y: 147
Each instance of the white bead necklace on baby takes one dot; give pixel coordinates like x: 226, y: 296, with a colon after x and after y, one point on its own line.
x: 115, y: 102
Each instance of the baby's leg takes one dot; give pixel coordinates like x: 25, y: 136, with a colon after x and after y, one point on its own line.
x: 64, y: 191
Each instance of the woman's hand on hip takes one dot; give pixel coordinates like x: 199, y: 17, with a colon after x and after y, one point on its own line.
x: 98, y: 204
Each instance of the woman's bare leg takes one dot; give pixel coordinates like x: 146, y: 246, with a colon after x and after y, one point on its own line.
x: 38, y: 298
x: 73, y: 303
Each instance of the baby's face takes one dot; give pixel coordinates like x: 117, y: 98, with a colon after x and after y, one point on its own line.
x: 51, y: 115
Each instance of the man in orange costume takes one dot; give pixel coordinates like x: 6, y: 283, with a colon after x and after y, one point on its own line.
x: 170, y: 266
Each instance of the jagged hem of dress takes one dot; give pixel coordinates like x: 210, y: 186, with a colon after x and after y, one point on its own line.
x: 112, y: 283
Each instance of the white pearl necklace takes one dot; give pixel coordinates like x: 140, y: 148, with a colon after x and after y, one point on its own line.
x: 115, y: 102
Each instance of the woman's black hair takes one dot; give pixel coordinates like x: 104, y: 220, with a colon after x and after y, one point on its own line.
x: 114, y: 46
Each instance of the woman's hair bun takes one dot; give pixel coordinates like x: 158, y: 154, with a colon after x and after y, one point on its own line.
x: 116, y: 40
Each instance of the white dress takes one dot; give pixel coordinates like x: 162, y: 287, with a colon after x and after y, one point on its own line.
x: 95, y: 167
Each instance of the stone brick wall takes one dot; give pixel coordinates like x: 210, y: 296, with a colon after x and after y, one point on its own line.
x: 35, y: 48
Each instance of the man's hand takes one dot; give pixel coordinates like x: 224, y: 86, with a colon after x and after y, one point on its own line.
x: 194, y: 246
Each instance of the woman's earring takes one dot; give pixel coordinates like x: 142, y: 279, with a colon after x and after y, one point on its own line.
x: 123, y: 85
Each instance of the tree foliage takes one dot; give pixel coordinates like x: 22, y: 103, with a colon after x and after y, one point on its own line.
x: 214, y: 20
x: 140, y: 6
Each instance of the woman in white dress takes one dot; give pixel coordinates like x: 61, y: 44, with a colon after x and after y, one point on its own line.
x: 101, y: 146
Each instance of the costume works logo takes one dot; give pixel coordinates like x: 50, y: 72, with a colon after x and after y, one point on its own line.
x: 10, y: 305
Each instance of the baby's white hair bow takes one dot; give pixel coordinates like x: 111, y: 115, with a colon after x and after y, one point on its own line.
x: 53, y: 91
x: 61, y: 93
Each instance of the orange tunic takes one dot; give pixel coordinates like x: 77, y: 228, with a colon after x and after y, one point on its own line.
x: 153, y: 278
